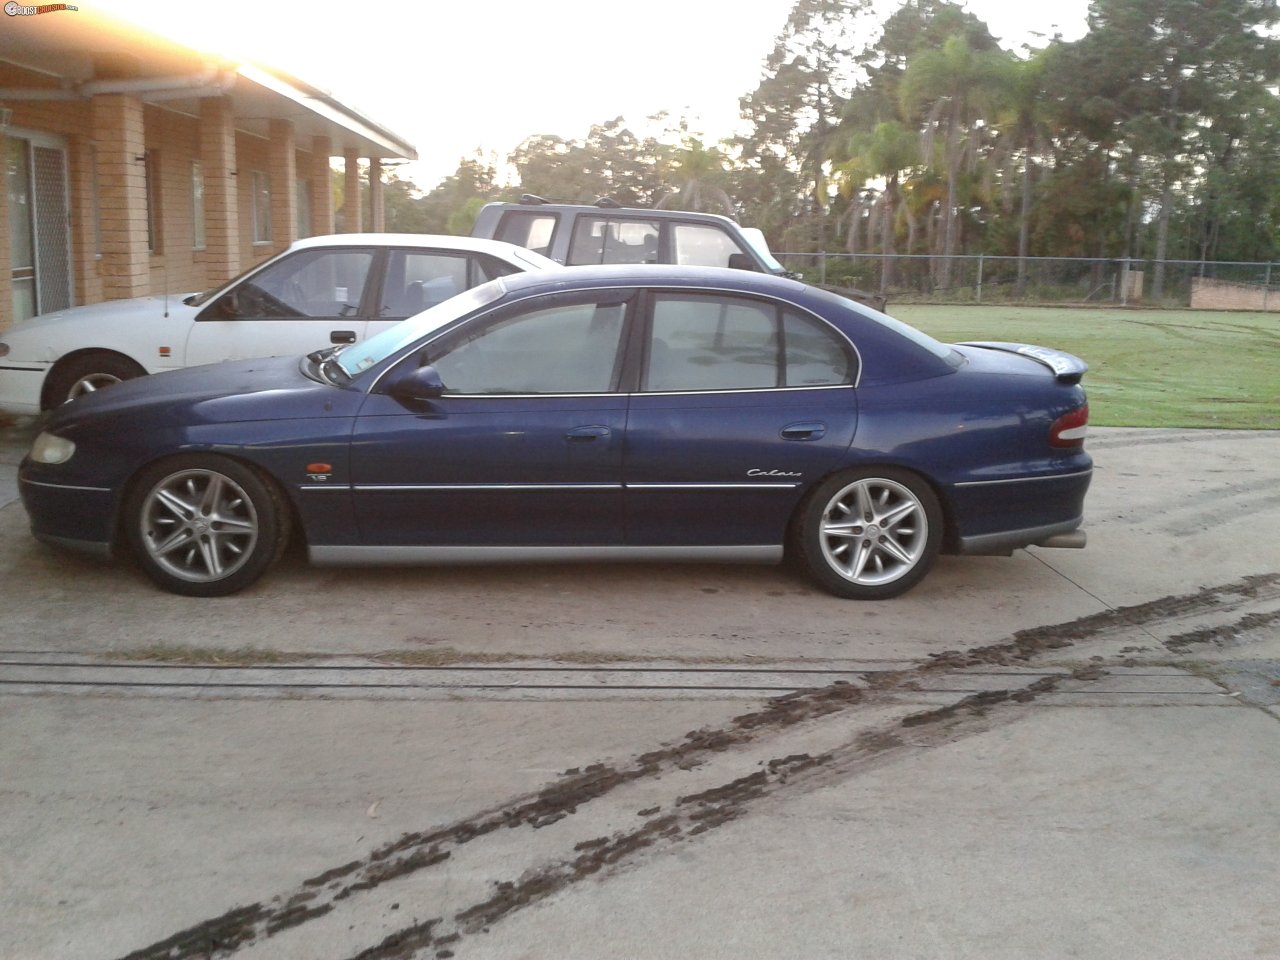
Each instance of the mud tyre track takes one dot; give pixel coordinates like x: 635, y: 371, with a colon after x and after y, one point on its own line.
x: 693, y: 814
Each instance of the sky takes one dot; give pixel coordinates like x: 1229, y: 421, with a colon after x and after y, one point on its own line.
x: 455, y: 77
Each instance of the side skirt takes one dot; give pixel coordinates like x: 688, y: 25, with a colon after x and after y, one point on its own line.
x: 378, y: 556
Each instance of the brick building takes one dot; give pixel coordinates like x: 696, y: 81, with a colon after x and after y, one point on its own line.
x: 136, y: 166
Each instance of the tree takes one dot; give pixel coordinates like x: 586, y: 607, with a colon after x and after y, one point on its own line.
x: 1024, y: 135
x: 700, y: 170
x: 1177, y: 82
x: 954, y: 90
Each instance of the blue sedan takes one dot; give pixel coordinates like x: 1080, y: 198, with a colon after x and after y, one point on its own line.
x: 595, y: 413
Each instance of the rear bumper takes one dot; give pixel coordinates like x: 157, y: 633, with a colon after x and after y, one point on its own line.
x: 1000, y: 516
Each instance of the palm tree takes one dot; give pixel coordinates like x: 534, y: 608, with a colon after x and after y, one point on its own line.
x: 884, y: 154
x: 1023, y: 134
x: 698, y: 166
x: 957, y: 88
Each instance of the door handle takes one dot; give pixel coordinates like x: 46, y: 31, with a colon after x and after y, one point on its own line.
x: 342, y: 336
x: 583, y: 434
x: 804, y: 431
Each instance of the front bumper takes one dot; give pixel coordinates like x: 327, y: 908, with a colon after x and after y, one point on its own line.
x: 20, y: 387
x: 72, y: 517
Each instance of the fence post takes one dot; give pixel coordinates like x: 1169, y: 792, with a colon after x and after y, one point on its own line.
x: 979, y: 278
x: 1124, y: 282
x: 1266, y: 287
x: 822, y: 268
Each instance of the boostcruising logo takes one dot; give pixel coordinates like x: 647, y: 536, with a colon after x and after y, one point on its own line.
x: 18, y: 10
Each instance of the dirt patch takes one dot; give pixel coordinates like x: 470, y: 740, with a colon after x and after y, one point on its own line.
x: 693, y: 814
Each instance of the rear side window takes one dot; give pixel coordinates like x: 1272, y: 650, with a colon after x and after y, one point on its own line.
x: 611, y: 240
x: 526, y: 228
x: 731, y: 343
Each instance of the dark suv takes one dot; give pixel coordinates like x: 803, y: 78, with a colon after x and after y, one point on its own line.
x: 605, y: 232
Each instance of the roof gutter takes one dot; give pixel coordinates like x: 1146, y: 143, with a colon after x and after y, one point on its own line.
x: 323, y: 105
x: 209, y: 82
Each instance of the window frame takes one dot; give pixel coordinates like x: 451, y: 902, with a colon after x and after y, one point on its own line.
x: 453, y: 337
x: 199, y: 240
x: 643, y: 339
x: 260, y: 181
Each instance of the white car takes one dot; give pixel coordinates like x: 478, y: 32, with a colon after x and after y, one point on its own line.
x: 320, y: 291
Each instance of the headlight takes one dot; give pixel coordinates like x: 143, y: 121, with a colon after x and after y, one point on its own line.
x: 50, y: 449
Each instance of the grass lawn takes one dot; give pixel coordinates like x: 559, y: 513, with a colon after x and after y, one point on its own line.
x: 1147, y: 368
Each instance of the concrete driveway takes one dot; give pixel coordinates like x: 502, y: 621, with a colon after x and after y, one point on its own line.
x: 1059, y: 754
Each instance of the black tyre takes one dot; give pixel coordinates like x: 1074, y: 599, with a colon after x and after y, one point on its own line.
x: 86, y: 373
x: 869, y: 534
x: 203, y: 525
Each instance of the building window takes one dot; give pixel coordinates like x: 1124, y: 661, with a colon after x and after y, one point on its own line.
x: 96, y: 205
x: 261, y: 207
x: 304, y: 208
x: 155, y: 216
x: 197, y: 206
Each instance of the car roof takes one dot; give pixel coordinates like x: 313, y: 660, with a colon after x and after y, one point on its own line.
x: 659, y: 275
x: 606, y: 211
x: 446, y: 241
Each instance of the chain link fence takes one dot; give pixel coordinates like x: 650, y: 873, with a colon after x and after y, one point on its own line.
x: 1048, y: 280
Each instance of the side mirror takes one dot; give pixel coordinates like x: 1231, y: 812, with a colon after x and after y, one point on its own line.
x: 740, y: 261
x: 419, y: 383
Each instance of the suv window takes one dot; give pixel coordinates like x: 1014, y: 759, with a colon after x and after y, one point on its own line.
x: 702, y: 245
x: 613, y: 240
x: 528, y: 229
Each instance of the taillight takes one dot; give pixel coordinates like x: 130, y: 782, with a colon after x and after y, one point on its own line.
x: 1070, y: 429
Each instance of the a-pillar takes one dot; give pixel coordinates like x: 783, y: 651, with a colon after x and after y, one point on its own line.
x: 221, y: 193
x: 352, y: 208
x: 122, y: 195
x: 282, y: 164
x: 377, y: 214
x: 321, y: 187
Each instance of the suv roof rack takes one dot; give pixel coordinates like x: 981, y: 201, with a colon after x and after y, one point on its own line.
x: 532, y: 198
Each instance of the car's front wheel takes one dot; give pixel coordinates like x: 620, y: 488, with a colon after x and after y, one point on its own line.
x: 204, y: 525
x: 869, y: 534
x: 87, y: 372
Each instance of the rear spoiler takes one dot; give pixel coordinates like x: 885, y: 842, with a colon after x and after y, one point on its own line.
x: 1066, y: 368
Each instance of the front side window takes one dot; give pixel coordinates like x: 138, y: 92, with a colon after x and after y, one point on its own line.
x: 730, y: 343
x: 560, y: 349
x: 603, y: 240
x: 703, y: 245
x: 312, y: 283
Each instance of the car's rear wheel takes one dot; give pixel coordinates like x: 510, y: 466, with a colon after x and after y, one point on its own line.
x: 86, y: 373
x: 869, y: 534
x: 205, y: 526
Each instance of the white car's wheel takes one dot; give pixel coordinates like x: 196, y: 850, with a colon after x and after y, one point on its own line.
x: 86, y: 373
